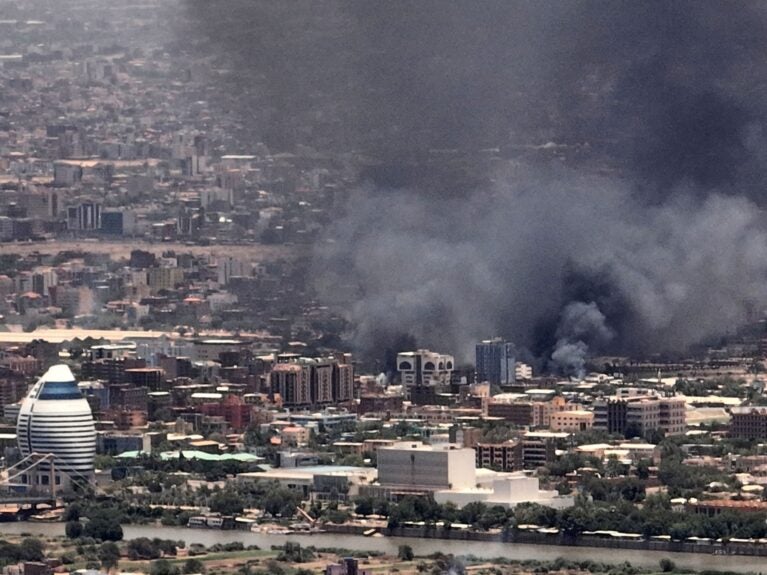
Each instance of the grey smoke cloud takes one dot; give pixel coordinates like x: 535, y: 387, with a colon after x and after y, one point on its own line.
x: 645, y: 209
x: 580, y: 325
x: 451, y: 271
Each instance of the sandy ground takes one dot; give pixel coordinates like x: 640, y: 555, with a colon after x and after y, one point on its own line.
x: 122, y: 249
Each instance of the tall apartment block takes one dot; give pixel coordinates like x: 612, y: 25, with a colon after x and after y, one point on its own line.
x: 308, y: 382
x: 495, y: 362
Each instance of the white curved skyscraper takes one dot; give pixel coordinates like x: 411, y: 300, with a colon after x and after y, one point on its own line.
x: 56, y: 419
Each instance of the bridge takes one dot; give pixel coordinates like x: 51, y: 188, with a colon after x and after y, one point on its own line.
x: 32, y: 481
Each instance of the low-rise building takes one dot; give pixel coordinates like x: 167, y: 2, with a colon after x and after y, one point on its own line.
x: 748, y: 422
x: 640, y: 413
x: 295, y: 435
x: 424, y: 367
x: 572, y: 421
x: 449, y: 474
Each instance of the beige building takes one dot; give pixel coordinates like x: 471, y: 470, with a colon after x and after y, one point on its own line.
x: 295, y: 435
x: 638, y: 413
x: 673, y: 415
x: 163, y: 278
x: 290, y: 381
x: 521, y: 411
x: 572, y: 421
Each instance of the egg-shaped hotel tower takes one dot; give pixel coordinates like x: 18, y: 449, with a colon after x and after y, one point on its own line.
x: 56, y: 419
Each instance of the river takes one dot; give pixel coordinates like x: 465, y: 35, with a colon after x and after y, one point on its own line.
x: 487, y: 550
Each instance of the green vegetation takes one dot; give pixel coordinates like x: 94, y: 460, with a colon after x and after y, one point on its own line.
x: 109, y: 555
x: 29, y: 549
x: 294, y: 553
x: 616, y: 510
x: 101, y: 524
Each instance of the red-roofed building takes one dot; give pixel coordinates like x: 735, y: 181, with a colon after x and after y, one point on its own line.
x: 233, y: 409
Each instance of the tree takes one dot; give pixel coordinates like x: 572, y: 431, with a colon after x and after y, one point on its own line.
x: 103, y: 524
x: 364, y: 506
x: 72, y: 512
x: 142, y: 548
x: 472, y: 512
x: 382, y: 507
x: 294, y: 553
x: 31, y: 549
x: 667, y: 565
x: 405, y: 553
x: 680, y: 531
x: 494, y: 516
x: 194, y: 566
x: 575, y: 520
x: 631, y: 489
x: 109, y: 555
x: 643, y: 469
x: 449, y: 564
x: 104, y: 462
x: 9, y: 552
x: 336, y: 516
x: 163, y: 567
x: 73, y: 529
x: 614, y: 467
x: 226, y: 503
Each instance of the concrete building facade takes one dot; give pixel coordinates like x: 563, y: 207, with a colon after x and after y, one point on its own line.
x: 424, y: 367
x: 495, y: 362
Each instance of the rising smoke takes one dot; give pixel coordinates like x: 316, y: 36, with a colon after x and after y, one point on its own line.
x: 621, y: 211
x: 651, y: 277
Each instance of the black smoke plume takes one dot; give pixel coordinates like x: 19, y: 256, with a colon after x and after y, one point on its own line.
x: 578, y: 176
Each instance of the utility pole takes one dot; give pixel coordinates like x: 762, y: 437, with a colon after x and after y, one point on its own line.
x: 53, y: 479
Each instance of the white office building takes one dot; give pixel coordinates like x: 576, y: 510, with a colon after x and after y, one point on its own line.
x: 55, y: 419
x: 449, y: 474
x: 414, y: 465
x: 424, y: 367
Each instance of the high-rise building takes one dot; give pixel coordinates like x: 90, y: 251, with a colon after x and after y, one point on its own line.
x: 496, y: 362
x: 303, y: 381
x: 291, y: 382
x: 84, y: 216
x: 56, y: 419
x: 164, y: 278
x: 229, y: 267
x: 12, y: 388
x: 343, y: 382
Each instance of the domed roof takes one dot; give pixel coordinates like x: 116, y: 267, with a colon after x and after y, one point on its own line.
x: 55, y: 418
x: 58, y: 383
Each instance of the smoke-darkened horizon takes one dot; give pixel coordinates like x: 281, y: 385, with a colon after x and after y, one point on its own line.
x: 618, y: 206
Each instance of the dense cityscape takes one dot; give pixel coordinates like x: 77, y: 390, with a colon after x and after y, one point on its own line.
x: 223, y: 351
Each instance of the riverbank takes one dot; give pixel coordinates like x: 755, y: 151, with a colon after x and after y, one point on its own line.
x: 517, y: 551
x: 740, y: 548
